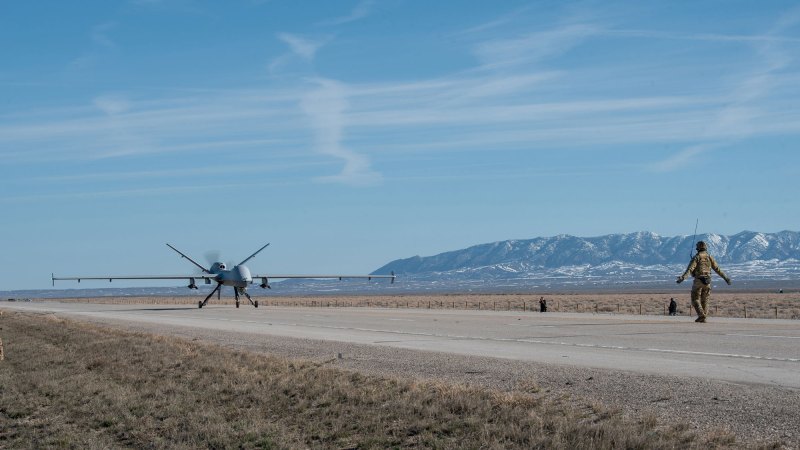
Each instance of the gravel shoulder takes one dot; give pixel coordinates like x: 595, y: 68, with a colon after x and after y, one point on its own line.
x: 756, y: 414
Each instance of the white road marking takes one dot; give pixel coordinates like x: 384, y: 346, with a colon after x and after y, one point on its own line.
x: 763, y: 336
x: 527, y: 341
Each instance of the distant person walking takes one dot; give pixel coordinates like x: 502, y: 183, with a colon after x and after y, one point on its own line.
x: 700, y: 268
x: 542, y: 305
x: 673, y: 307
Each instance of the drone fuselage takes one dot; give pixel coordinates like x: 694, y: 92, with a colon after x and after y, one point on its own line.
x: 239, y: 276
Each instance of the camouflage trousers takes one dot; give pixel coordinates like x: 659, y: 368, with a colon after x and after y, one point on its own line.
x: 700, y: 294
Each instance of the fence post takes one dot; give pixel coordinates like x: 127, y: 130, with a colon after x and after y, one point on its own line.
x: 640, y: 309
x: 745, y: 311
x: 776, y: 312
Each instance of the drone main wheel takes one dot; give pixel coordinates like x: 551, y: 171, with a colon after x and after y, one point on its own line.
x: 255, y: 303
x: 237, y: 304
x: 200, y: 304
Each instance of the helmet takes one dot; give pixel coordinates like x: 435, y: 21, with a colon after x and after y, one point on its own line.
x: 701, y: 246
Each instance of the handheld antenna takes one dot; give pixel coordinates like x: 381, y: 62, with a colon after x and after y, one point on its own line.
x: 694, y: 239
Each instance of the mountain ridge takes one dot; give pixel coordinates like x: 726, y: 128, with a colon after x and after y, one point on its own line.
x: 642, y: 248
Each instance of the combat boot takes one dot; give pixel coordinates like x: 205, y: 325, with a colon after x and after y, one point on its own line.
x: 704, y: 305
x: 700, y: 320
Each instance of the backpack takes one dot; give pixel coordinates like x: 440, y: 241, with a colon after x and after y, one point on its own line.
x: 702, y: 270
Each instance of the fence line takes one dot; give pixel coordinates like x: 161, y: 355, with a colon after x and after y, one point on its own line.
x: 788, y: 309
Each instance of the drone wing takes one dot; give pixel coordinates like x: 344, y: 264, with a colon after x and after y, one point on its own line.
x: 190, y: 278
x: 265, y: 278
x: 325, y: 276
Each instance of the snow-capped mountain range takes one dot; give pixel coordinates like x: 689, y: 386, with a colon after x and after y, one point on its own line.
x: 616, y: 259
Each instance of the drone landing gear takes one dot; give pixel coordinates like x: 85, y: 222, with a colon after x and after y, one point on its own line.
x: 238, y: 291
x: 216, y: 289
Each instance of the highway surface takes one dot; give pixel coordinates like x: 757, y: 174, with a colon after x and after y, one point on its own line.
x: 736, y: 350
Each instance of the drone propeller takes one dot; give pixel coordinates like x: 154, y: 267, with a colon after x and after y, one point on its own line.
x: 212, y: 256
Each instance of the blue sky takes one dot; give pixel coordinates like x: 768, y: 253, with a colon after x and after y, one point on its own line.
x: 352, y: 133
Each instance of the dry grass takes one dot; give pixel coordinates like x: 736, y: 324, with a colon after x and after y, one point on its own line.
x: 723, y: 304
x: 71, y: 385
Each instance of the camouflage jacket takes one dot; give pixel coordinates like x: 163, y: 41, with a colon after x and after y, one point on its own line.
x: 701, y: 266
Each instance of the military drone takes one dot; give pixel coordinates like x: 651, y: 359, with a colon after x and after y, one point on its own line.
x: 238, y: 276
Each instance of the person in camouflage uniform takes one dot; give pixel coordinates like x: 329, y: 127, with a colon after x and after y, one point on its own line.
x: 700, y: 268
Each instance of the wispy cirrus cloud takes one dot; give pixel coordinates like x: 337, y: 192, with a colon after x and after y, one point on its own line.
x: 449, y: 112
x: 533, y: 47
x: 182, y: 6
x: 182, y: 172
x: 503, y: 20
x: 100, y: 35
x: 115, y: 125
x: 112, y: 104
x: 325, y: 107
x: 710, y: 37
x: 301, y: 48
x: 135, y: 192
x: 304, y: 47
x: 683, y: 158
x: 101, y: 42
x: 361, y: 11
x: 354, y: 124
x: 742, y: 114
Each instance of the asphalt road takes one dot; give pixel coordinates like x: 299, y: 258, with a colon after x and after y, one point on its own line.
x: 736, y: 350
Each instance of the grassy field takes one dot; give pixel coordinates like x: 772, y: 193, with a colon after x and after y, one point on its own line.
x: 67, y: 384
x: 723, y: 303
